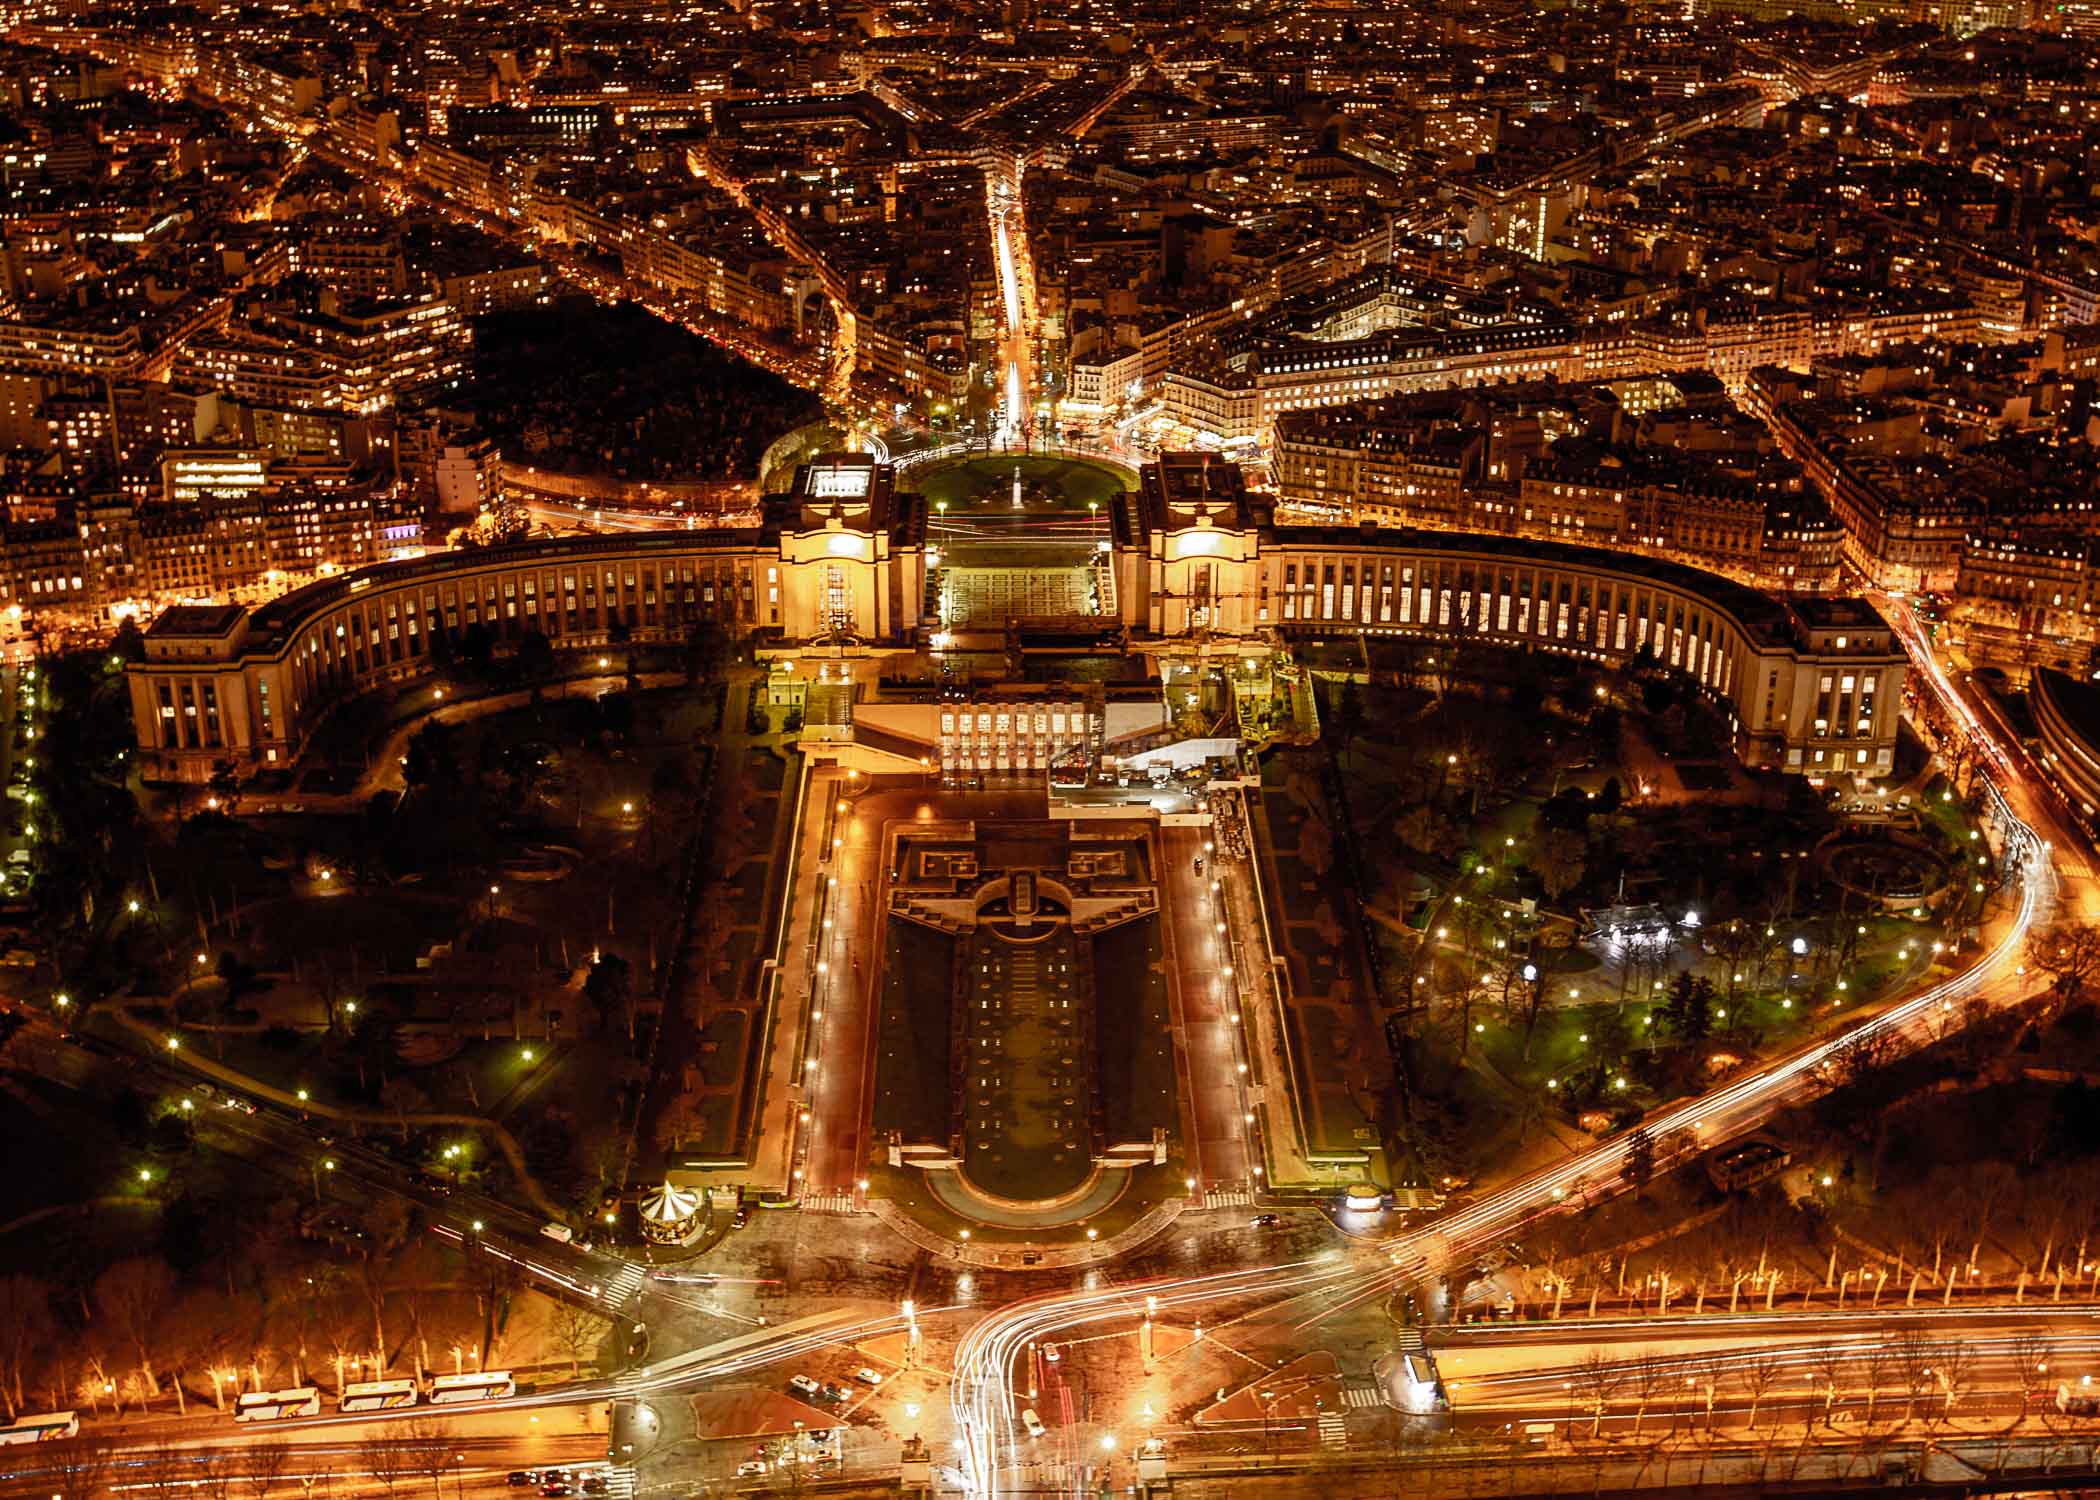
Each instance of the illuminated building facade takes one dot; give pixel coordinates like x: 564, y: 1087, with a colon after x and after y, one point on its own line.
x: 1811, y: 686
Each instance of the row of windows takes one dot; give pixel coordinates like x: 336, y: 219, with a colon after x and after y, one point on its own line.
x: 1536, y: 604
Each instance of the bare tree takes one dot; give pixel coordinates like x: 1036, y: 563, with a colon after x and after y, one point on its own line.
x: 576, y: 1332
x: 1830, y: 1362
x: 1987, y: 1186
x: 1859, y: 1059
x: 1877, y: 1362
x: 385, y: 1225
x: 384, y: 1458
x: 2068, y: 951
x: 216, y: 1472
x: 1913, y: 1353
x: 76, y: 1468
x: 1597, y: 1376
x: 263, y: 1464
x: 1647, y: 1374
x: 132, y: 1294
x: 1951, y: 1369
x: 1735, y: 944
x: 26, y: 1329
x: 499, y: 1281
x: 426, y: 1449
x: 2031, y: 1356
x: 1759, y: 1374
x: 167, y: 1471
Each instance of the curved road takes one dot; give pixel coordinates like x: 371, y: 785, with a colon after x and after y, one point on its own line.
x: 983, y: 1394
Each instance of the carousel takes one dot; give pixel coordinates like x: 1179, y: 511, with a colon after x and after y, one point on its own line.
x: 670, y: 1215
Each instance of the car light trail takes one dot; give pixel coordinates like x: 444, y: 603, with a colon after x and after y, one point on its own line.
x: 1711, y: 1115
x: 983, y: 1396
x: 1719, y: 1364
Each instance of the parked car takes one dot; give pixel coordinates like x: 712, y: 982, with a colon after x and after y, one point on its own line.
x: 804, y: 1385
x: 867, y: 1376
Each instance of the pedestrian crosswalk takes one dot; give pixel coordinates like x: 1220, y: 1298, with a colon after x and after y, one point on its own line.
x: 1362, y: 1397
x: 1334, y: 1432
x: 1226, y: 1198
x: 622, y: 1284
x: 829, y: 1203
x: 621, y: 1482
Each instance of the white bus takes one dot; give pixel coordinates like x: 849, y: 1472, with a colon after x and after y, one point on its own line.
x: 57, y: 1424
x: 487, y: 1385
x: 377, y: 1395
x: 268, y: 1406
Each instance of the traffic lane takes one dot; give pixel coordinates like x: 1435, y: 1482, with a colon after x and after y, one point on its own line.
x: 1969, y: 1366
x: 468, y: 1432
x: 1206, y: 996
x: 476, y: 1438
x: 2075, y: 1318
x: 1965, y: 703
x: 1797, y: 1408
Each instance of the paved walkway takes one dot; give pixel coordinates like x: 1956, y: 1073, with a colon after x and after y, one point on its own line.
x: 955, y: 1194
x: 155, y: 1037
x: 1144, y: 1228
